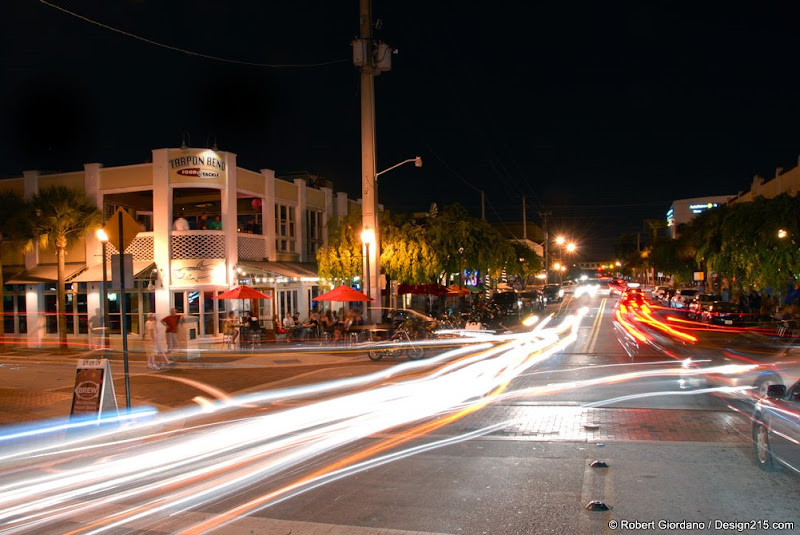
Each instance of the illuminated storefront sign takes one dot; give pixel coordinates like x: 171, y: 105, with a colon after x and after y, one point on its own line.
x: 193, y: 272
x: 196, y: 165
x: 700, y: 208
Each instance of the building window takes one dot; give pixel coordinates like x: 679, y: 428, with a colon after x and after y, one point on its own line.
x: 284, y: 228
x: 313, y: 232
x: 287, y: 302
x: 76, y: 310
x: 14, y: 311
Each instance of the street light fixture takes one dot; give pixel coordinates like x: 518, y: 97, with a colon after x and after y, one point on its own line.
x: 782, y: 233
x: 369, y: 220
x: 103, y: 237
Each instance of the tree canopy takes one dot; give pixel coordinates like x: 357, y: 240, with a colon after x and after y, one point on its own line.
x: 421, y: 250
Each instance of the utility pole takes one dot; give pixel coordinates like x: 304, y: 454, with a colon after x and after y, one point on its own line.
x: 524, y: 221
x: 544, y: 215
x: 371, y: 57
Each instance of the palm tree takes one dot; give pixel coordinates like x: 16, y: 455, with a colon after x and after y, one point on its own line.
x: 60, y: 216
x: 12, y: 227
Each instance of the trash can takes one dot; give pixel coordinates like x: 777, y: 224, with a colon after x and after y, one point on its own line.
x: 188, y: 331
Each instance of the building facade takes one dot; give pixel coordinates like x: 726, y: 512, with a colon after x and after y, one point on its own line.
x: 784, y: 181
x: 206, y: 226
x: 684, y: 210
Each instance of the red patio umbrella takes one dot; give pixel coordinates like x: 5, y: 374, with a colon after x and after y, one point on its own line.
x: 421, y: 289
x: 242, y: 292
x: 343, y: 293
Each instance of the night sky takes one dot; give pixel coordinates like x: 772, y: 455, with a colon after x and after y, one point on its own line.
x: 602, y: 113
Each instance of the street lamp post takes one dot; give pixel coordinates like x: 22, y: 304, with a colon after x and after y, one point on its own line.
x: 367, y: 237
x: 103, y: 237
x: 369, y: 220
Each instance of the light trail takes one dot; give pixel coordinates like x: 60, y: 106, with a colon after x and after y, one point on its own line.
x: 186, y: 469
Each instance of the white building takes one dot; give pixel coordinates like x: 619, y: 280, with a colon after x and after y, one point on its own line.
x: 270, y: 232
x: 684, y: 210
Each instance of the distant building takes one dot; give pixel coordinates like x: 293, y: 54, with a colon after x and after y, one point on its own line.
x: 785, y: 181
x: 684, y: 210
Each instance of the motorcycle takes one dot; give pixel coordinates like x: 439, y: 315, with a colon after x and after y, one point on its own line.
x: 402, y: 342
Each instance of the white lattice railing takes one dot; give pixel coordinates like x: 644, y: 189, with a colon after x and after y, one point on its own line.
x: 141, y: 248
x: 252, y: 247
x: 195, y: 244
x: 198, y: 244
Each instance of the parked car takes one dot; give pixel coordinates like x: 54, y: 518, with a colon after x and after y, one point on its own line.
x: 722, y: 313
x: 533, y: 300
x: 666, y: 297
x: 658, y: 291
x: 682, y: 297
x: 700, y: 303
x: 508, y: 304
x: 553, y: 293
x: 776, y: 428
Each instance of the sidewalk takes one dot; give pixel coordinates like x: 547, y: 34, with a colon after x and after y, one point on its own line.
x: 37, y: 383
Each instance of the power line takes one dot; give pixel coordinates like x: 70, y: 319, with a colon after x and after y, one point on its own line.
x: 189, y: 52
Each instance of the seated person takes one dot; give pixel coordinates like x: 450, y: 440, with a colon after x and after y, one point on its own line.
x: 310, y: 327
x: 327, y: 322
x: 342, y: 327
x: 289, y: 325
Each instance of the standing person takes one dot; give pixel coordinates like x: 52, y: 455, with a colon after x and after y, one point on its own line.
x: 180, y: 224
x: 215, y: 224
x: 152, y: 344
x: 171, y: 322
x: 229, y: 329
x: 202, y: 223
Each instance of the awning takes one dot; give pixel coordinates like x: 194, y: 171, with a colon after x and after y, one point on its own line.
x: 280, y: 269
x: 141, y: 270
x: 45, y: 273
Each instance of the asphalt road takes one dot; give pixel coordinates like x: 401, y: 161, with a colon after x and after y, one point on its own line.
x: 672, y: 457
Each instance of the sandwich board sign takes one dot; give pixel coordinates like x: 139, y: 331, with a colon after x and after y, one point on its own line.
x: 93, y: 394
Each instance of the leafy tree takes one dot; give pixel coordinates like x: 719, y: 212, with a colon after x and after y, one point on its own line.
x: 60, y: 216
x: 408, y: 254
x: 340, y: 261
x: 12, y: 227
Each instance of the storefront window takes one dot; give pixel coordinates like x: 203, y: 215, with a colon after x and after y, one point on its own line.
x: 313, y: 232
x: 14, y: 317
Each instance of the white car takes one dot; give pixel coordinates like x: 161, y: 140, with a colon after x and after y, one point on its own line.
x: 683, y: 297
x: 568, y: 286
x: 658, y: 291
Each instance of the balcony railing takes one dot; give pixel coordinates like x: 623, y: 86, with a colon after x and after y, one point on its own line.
x: 197, y: 244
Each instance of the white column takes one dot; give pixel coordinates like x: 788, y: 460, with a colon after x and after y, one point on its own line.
x: 229, y: 217
x: 300, y: 218
x: 94, y: 249
x: 327, y: 213
x: 162, y: 229
x: 268, y: 212
x: 33, y: 295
